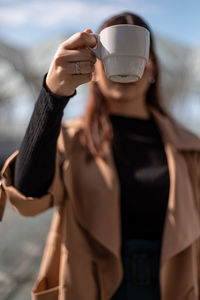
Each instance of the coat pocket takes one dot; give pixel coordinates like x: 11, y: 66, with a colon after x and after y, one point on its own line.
x: 41, y: 292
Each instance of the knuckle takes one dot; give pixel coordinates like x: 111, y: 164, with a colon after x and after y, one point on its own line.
x: 61, y: 47
x: 62, y: 57
x: 59, y: 71
x: 57, y: 60
x: 59, y: 54
x: 82, y: 36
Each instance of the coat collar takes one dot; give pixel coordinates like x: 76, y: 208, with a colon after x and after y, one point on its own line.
x: 174, y: 134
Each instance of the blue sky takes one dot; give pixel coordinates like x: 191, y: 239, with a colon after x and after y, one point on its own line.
x: 26, y: 22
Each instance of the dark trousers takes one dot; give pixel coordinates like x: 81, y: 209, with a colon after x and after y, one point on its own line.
x: 141, y: 259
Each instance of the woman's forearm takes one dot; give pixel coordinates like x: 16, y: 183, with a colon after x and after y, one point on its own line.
x: 35, y: 163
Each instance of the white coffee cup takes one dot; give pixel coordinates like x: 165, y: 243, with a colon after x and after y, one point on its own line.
x: 124, y: 51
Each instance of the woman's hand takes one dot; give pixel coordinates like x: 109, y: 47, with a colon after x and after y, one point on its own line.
x: 65, y: 75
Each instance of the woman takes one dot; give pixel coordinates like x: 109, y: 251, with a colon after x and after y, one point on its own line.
x: 125, y: 180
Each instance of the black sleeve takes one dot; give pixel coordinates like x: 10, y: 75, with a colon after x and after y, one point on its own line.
x: 35, y: 164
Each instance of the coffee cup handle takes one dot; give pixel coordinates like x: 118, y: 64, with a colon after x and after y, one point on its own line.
x: 97, y: 49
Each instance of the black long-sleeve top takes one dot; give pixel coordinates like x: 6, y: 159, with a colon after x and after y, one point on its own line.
x: 139, y: 156
x: 144, y: 178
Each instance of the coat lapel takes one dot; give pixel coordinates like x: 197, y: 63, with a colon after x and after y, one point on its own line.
x: 94, y: 188
x: 182, y: 225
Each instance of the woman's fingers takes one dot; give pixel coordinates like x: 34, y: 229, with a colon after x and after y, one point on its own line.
x: 80, y: 67
x: 76, y: 55
x: 79, y: 40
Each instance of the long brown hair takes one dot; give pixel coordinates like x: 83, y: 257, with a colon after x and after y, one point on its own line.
x: 97, y: 126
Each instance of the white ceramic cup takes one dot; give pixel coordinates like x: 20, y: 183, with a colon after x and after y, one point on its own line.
x: 124, y: 51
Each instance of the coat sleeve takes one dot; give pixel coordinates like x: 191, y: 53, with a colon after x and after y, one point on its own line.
x: 30, y: 206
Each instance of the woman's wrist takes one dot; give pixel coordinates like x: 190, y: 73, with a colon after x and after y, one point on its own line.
x: 53, y: 95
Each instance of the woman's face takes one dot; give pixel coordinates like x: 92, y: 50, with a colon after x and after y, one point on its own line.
x: 114, y: 91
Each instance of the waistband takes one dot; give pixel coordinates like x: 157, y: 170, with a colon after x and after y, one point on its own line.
x: 141, y: 260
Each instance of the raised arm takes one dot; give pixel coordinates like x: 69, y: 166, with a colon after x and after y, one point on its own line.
x: 32, y: 180
x: 35, y: 163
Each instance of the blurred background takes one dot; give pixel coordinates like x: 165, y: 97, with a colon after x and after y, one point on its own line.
x: 30, y: 33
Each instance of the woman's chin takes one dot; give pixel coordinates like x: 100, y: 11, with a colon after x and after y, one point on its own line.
x: 120, y: 95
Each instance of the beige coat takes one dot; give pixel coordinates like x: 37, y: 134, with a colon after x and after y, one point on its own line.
x: 82, y: 255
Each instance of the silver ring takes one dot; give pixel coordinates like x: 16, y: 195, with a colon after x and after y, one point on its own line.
x: 78, y: 69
